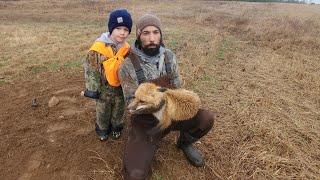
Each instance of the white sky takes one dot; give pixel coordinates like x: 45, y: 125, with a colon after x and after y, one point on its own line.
x: 314, y: 1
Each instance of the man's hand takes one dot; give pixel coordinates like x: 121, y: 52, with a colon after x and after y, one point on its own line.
x: 163, y: 81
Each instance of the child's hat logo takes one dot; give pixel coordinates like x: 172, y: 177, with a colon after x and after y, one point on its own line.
x: 120, y: 20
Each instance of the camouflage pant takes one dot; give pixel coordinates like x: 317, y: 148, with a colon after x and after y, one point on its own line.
x: 110, y: 109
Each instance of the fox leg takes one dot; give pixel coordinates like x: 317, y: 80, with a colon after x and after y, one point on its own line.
x: 161, y: 126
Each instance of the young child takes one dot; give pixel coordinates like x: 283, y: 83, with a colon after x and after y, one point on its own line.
x: 101, y: 80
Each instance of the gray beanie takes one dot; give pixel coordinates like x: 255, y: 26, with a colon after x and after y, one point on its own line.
x: 148, y: 20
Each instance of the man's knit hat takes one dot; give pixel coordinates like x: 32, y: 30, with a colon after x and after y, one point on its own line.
x: 148, y: 20
x: 119, y: 17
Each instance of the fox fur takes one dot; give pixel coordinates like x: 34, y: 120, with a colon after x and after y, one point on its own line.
x: 167, y: 105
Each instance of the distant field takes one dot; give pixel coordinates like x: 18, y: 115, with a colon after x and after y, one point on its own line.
x: 256, y: 64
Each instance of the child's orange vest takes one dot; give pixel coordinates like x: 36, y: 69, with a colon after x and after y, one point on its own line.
x: 113, y: 62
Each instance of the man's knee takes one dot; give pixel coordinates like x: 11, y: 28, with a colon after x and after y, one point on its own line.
x: 206, y: 121
x: 209, y: 118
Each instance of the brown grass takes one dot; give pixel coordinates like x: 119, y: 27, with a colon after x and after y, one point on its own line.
x: 256, y: 64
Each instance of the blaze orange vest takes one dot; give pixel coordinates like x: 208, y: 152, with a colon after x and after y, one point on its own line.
x: 113, y: 62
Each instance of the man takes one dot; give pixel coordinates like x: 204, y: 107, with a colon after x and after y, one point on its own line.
x: 149, y: 60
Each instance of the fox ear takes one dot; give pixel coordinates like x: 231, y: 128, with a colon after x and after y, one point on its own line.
x: 162, y: 89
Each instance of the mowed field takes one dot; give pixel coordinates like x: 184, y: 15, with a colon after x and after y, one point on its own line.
x: 256, y: 64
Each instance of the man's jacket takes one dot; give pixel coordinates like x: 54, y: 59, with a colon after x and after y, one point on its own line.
x: 153, y: 68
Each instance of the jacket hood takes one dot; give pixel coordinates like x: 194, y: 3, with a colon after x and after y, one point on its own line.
x: 105, y: 37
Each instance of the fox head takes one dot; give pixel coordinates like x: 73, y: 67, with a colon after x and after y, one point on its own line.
x: 149, y: 98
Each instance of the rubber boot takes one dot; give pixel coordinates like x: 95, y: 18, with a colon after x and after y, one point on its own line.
x: 193, y: 155
x: 116, y: 132
x: 102, y: 134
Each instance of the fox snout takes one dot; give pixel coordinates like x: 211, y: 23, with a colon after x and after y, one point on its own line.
x: 132, y: 107
x: 138, y: 108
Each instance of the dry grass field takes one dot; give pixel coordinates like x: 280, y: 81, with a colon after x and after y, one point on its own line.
x: 256, y: 64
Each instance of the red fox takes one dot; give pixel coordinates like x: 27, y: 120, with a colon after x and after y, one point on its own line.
x: 166, y: 105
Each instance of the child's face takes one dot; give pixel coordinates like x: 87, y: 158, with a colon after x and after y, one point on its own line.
x: 119, y: 34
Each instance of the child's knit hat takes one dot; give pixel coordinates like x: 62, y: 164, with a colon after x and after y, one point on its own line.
x: 119, y: 17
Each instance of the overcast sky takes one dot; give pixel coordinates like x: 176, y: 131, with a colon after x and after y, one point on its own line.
x: 314, y: 1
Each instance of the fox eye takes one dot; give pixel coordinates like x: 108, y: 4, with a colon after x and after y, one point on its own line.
x: 142, y: 101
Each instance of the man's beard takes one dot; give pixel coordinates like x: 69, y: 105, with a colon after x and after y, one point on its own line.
x: 151, y: 49
x: 148, y: 49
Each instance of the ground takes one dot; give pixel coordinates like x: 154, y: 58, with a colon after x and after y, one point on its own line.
x: 256, y: 64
